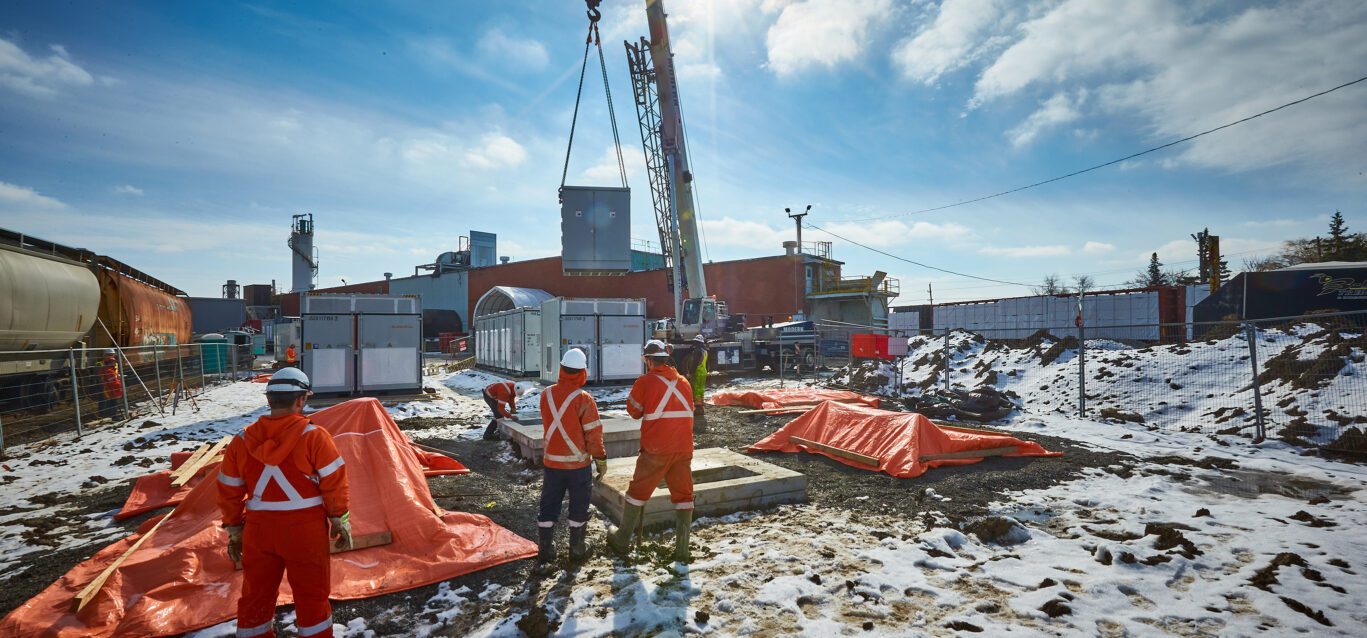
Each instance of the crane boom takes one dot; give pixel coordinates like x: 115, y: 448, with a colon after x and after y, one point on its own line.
x: 675, y: 153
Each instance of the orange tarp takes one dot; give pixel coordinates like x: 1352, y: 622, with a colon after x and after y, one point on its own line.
x: 180, y: 579
x: 897, y: 440
x: 778, y: 399
x: 154, y: 491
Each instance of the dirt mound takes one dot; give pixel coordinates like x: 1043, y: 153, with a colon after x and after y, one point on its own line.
x: 981, y: 405
x: 1319, y: 369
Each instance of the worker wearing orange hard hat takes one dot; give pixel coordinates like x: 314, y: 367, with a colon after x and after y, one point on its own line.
x: 574, y: 440
x: 281, y: 485
x: 663, y: 401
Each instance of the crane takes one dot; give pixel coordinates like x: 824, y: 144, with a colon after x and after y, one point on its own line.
x: 660, y: 117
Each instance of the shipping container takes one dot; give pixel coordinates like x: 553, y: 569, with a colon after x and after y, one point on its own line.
x: 595, y: 230
x: 611, y: 332
x: 361, y: 343
x: 390, y: 352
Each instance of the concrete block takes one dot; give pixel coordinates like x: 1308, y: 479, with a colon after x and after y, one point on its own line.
x: 723, y: 482
x: 621, y: 436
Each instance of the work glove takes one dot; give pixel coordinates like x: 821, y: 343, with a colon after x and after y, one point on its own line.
x: 600, y: 469
x: 234, y: 542
x: 341, y: 531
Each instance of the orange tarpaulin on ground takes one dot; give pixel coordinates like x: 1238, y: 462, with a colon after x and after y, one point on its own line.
x: 896, y: 440
x: 155, y: 491
x: 180, y: 578
x: 777, y: 399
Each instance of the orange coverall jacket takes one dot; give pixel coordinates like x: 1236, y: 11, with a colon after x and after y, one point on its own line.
x: 663, y: 401
x: 569, y: 420
x: 281, y: 464
x: 503, y: 392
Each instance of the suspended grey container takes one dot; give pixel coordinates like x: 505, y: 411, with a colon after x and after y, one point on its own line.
x: 595, y: 230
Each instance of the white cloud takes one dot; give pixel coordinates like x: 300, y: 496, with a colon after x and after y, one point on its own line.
x: 39, y: 76
x: 743, y: 233
x: 607, y: 172
x: 821, y: 33
x: 892, y: 233
x: 128, y: 189
x: 1181, y: 68
x: 952, y: 41
x: 13, y: 197
x: 1026, y: 251
x: 523, y: 54
x: 1097, y: 248
x: 1057, y: 110
x: 496, y: 150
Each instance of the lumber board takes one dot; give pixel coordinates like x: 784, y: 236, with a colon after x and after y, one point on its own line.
x: 94, y: 587
x: 960, y: 428
x: 191, y: 469
x: 840, y: 452
x: 801, y: 406
x: 358, y: 542
x: 194, y: 456
x: 971, y: 454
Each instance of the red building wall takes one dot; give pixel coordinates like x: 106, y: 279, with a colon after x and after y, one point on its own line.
x: 764, y: 286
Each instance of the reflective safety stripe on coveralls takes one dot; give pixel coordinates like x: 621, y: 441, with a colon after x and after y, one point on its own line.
x: 556, y: 427
x: 671, y: 391
x: 293, y: 500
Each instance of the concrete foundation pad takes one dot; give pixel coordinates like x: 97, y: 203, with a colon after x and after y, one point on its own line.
x: 621, y: 437
x: 723, y: 482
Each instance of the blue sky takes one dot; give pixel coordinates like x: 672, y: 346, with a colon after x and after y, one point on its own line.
x: 180, y: 137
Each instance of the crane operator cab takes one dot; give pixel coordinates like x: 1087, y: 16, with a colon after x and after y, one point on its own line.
x: 706, y: 316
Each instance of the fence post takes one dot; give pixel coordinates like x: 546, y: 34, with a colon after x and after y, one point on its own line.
x: 1251, y: 333
x: 123, y: 387
x: 156, y: 361
x: 1081, y: 370
x: 202, y: 383
x: 180, y: 372
x: 2, y: 436
x: 75, y: 389
x: 946, y: 359
x: 233, y: 352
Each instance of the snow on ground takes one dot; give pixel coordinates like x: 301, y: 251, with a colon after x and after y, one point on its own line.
x: 1242, y: 539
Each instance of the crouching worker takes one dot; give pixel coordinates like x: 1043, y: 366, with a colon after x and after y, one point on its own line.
x: 501, y: 397
x: 663, y: 401
x: 280, y: 486
x: 574, y: 441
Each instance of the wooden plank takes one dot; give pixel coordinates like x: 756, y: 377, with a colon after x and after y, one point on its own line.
x: 840, y: 452
x: 960, y: 428
x: 358, y: 542
x: 971, y: 454
x: 203, y: 448
x: 191, y: 469
x: 94, y: 587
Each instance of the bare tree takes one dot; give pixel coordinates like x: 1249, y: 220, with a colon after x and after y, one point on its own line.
x: 1083, y: 283
x: 1052, y: 285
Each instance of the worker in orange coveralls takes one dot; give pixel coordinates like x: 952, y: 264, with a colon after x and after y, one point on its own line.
x: 291, y: 357
x: 111, y: 382
x: 288, y: 477
x: 663, y: 401
x: 496, y: 396
x: 574, y: 438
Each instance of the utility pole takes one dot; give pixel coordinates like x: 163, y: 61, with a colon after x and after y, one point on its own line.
x: 930, y: 290
x: 797, y: 219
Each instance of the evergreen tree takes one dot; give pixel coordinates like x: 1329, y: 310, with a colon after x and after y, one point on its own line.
x: 1203, y: 254
x: 1339, y: 239
x: 1155, y: 272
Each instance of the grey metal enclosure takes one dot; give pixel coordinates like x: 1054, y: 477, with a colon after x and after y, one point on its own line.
x: 390, y: 347
x: 329, y: 351
x: 595, y: 230
x: 361, y: 343
x: 509, y: 341
x: 611, y: 332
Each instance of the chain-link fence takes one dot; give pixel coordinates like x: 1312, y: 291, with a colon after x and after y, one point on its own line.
x: 47, y: 392
x: 1299, y: 379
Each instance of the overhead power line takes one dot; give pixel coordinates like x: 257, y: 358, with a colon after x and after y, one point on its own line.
x: 1112, y: 162
x: 912, y: 261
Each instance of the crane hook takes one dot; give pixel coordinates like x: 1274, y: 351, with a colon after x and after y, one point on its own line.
x: 594, y: 16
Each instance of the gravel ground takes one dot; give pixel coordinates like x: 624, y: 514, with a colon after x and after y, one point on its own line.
x: 506, y: 490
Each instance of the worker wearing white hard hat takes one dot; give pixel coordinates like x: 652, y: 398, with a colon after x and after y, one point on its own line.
x: 574, y: 441
x: 283, y: 495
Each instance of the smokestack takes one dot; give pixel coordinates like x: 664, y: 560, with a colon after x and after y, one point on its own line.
x: 505, y: 259
x: 790, y: 248
x: 303, y: 257
x: 388, y: 276
x: 231, y: 289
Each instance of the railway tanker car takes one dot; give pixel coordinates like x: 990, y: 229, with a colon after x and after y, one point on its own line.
x: 54, y: 297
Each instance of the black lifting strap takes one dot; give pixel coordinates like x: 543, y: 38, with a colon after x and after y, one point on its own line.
x: 592, y: 39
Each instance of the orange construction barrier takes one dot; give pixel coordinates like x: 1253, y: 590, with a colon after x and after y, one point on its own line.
x: 903, y: 444
x: 779, y: 399
x: 180, y: 579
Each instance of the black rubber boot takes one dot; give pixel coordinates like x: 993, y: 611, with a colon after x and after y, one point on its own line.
x: 579, y: 549
x: 546, y: 544
x: 699, y: 419
x: 491, y: 431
